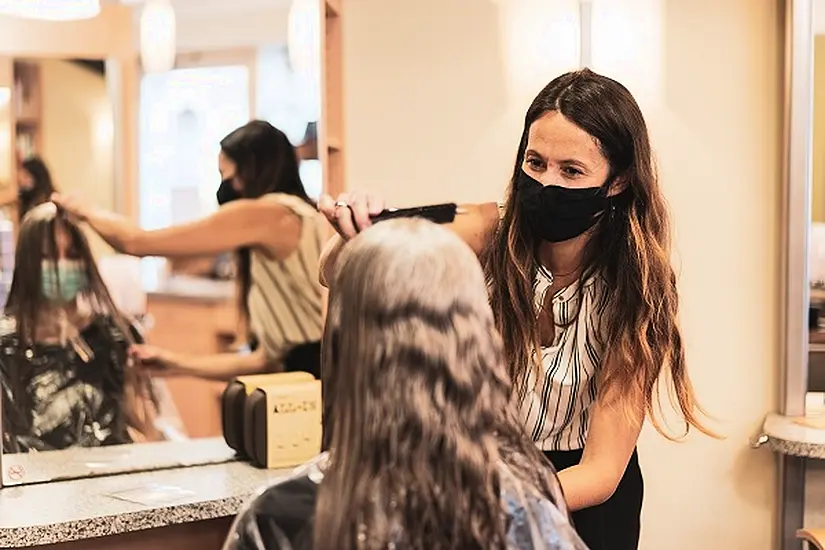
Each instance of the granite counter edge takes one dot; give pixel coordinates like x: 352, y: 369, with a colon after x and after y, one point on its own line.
x: 117, y: 524
x: 800, y: 449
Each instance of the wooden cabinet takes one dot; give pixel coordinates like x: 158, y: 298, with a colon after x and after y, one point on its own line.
x: 191, y: 325
x: 200, y: 535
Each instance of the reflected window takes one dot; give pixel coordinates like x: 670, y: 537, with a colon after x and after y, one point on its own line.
x: 184, y: 114
x: 291, y: 103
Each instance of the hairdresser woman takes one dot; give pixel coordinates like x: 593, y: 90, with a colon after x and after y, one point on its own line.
x: 277, y: 233
x: 577, y: 261
x: 34, y: 186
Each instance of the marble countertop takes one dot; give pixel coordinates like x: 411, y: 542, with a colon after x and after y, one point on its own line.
x: 788, y: 436
x: 49, y: 513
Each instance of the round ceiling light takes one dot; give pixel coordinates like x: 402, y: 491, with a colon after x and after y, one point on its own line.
x: 304, y: 37
x: 51, y: 10
x: 158, y: 45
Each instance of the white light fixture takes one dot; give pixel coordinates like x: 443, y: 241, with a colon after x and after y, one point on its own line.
x: 585, y: 34
x: 304, y: 38
x: 157, y: 36
x: 51, y: 10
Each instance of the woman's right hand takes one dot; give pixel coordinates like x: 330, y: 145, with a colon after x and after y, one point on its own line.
x: 153, y: 360
x: 350, y: 213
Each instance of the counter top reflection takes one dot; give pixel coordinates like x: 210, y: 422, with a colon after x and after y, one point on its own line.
x: 21, y: 468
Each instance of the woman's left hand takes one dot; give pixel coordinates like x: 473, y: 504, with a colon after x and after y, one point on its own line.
x: 71, y: 205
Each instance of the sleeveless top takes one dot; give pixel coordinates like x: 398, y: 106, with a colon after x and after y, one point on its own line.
x: 285, y: 296
x: 281, y: 517
x: 555, y: 408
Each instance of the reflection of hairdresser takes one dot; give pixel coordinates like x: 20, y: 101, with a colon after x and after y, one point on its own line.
x: 277, y: 232
x: 64, y: 361
x: 34, y: 186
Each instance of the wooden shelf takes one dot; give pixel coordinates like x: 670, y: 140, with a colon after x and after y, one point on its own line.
x: 331, y: 131
x: 27, y: 121
x: 27, y: 111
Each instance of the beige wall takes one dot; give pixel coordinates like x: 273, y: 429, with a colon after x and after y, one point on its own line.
x: 78, y: 134
x: 818, y: 192
x: 436, y: 93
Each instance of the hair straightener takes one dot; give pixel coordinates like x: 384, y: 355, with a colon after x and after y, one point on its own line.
x: 436, y: 213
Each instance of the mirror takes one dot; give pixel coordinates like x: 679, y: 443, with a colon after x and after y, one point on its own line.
x: 71, y: 408
x: 59, y: 115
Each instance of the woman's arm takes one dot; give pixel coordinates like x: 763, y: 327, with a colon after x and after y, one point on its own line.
x: 218, y: 366
x: 246, y: 222
x: 9, y: 195
x: 611, y: 438
x: 474, y: 225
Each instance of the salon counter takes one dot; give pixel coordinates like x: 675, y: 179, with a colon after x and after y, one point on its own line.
x: 802, y: 437
x: 176, y: 508
x: 194, y: 315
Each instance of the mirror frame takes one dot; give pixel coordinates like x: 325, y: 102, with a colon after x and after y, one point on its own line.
x: 796, y: 220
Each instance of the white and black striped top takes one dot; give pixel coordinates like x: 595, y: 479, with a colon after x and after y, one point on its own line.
x: 285, y: 299
x: 555, y: 408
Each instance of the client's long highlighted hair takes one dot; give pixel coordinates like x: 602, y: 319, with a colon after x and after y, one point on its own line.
x: 418, y: 399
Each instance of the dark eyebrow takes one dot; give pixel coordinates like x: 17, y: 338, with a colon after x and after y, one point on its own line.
x: 574, y: 162
x: 565, y: 162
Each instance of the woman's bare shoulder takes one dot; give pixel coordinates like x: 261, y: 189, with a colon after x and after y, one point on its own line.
x: 476, y: 223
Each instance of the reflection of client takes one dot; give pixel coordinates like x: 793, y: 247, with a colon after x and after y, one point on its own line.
x: 426, y: 450
x: 34, y: 186
x: 278, y: 235
x: 64, y: 354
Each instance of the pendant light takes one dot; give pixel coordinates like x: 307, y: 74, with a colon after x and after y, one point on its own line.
x: 157, y: 36
x: 51, y: 10
x: 304, y: 37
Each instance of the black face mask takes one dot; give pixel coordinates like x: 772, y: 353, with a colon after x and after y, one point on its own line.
x: 557, y: 214
x: 226, y: 193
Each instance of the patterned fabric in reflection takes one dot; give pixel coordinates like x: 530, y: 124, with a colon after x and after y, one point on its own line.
x: 52, y: 399
x: 281, y: 516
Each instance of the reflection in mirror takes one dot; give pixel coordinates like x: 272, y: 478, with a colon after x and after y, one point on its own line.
x: 62, y: 343
x: 64, y: 131
x: 184, y: 115
x: 7, y: 188
x: 74, y: 403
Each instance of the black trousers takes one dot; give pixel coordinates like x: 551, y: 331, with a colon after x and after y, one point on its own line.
x: 306, y: 358
x: 616, y: 523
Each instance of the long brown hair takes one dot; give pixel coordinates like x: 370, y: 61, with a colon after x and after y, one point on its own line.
x: 42, y: 185
x: 266, y: 162
x: 417, y: 398
x: 629, y: 249
x: 37, y: 241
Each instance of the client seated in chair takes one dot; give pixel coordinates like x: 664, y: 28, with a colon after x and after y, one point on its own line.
x: 65, y: 369
x: 425, y: 450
